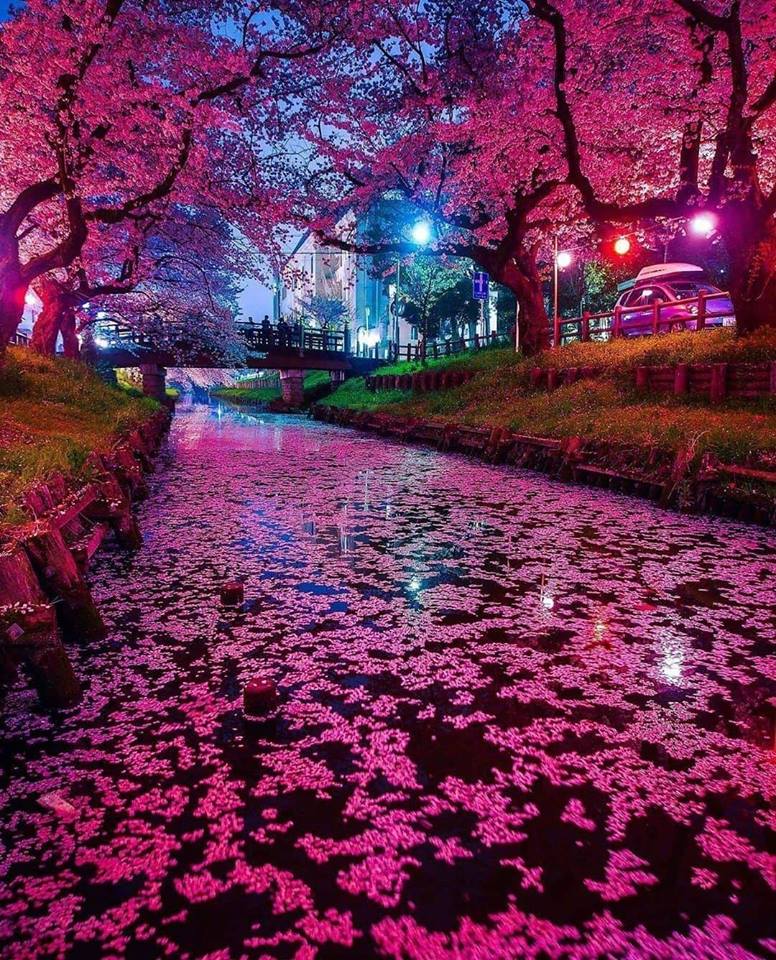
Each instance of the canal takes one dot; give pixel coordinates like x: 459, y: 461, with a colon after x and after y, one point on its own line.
x: 517, y: 718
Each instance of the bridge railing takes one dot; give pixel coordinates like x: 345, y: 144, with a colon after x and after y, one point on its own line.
x: 21, y: 339
x: 266, y: 339
x: 257, y: 339
x: 448, y: 348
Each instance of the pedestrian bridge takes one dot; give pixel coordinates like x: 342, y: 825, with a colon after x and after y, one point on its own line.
x: 291, y: 351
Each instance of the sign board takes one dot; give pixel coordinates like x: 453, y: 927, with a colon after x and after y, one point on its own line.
x: 480, y: 285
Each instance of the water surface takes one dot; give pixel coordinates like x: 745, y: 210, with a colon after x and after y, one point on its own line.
x: 517, y: 719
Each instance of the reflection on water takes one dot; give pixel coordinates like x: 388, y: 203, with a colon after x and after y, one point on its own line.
x: 517, y: 719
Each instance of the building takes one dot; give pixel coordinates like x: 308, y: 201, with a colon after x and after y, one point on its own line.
x: 314, y: 270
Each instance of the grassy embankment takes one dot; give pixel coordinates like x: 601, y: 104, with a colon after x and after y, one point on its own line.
x: 53, y: 413
x: 605, y: 409
x: 313, y: 382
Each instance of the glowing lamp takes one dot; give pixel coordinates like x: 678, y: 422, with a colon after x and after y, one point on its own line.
x: 622, y: 246
x: 421, y: 233
x: 703, y: 224
x: 564, y: 259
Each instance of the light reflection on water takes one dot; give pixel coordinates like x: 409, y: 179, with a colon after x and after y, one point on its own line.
x: 536, y: 726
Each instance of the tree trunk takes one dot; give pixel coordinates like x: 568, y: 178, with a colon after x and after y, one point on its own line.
x: 521, y: 276
x: 12, y: 291
x: 57, y: 317
x: 752, y: 253
x: 70, y: 345
x: 47, y: 326
x: 533, y: 324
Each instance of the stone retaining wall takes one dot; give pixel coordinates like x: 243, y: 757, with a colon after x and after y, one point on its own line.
x: 44, y: 594
x: 665, y: 476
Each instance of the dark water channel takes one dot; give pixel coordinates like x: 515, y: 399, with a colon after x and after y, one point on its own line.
x: 518, y: 719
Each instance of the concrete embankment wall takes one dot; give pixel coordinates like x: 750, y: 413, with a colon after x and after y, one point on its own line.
x: 44, y: 594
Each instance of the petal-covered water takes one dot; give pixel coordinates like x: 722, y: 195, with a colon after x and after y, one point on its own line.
x: 518, y: 719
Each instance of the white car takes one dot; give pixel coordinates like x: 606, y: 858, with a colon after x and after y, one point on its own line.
x: 668, y: 282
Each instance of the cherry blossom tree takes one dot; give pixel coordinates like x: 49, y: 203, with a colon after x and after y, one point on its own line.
x: 668, y: 108
x: 112, y: 108
x: 439, y: 120
x: 178, y: 276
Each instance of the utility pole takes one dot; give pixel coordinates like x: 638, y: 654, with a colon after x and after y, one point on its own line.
x: 396, y: 308
x: 555, y: 283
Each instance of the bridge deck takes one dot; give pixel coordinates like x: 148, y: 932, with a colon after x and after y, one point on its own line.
x: 265, y: 349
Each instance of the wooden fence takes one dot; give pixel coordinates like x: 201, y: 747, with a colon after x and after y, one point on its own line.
x: 662, y: 318
x: 718, y: 381
x: 435, y: 349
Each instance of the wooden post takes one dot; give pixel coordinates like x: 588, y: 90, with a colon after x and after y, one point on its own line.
x: 773, y: 378
x: 718, y: 386
x: 655, y: 316
x: 552, y: 378
x: 701, y: 322
x: 681, y: 379
x: 586, y: 326
x: 642, y: 378
x: 617, y: 322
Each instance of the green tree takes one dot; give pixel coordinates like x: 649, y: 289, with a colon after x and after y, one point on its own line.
x: 327, y: 312
x: 438, y: 291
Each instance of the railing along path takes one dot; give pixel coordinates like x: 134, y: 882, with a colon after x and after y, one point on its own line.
x: 616, y: 323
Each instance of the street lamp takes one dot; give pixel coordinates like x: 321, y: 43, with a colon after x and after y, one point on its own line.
x: 703, y: 224
x: 421, y: 233
x: 622, y: 246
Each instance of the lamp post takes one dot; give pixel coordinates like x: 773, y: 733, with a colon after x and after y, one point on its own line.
x: 561, y: 260
x: 421, y: 236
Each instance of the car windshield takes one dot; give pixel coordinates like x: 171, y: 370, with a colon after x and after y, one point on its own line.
x: 685, y: 289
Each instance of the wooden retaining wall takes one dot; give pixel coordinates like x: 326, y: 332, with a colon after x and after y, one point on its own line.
x: 424, y: 381
x: 717, y: 381
x: 664, y: 476
x: 44, y: 594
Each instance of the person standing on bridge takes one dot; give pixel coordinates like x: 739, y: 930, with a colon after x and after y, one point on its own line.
x: 283, y: 332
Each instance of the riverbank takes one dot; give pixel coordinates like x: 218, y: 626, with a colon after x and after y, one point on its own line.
x: 316, y: 384
x: 73, y: 451
x: 55, y: 412
x: 584, y: 412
